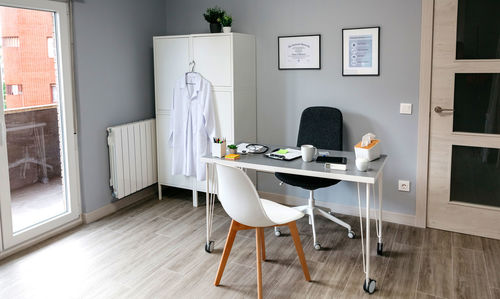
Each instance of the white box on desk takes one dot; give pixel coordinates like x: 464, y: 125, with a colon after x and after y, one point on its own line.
x: 219, y: 149
x: 369, y: 152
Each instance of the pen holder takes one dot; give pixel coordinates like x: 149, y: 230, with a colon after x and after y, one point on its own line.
x: 219, y: 149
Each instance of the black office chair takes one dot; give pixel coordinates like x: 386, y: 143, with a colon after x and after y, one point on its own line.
x: 322, y: 128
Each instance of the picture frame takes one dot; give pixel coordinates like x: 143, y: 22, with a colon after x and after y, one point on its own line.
x: 299, y: 52
x: 361, y: 51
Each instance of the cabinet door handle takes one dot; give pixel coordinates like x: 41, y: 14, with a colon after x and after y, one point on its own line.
x: 438, y: 109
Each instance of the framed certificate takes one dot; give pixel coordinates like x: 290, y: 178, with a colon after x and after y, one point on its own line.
x: 299, y: 52
x: 360, y: 51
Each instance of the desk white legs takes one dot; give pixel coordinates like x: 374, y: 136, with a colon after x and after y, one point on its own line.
x: 380, y: 244
x: 369, y: 284
x: 210, y: 201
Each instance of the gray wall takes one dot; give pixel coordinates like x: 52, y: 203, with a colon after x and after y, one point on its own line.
x: 369, y: 104
x: 114, y: 80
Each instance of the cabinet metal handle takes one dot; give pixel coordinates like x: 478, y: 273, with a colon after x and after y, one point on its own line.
x: 438, y: 109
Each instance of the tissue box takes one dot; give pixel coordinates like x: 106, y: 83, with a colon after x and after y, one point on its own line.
x: 370, y: 152
x: 219, y: 149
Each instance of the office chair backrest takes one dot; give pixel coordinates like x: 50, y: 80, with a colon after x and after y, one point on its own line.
x: 321, y: 127
x: 239, y: 197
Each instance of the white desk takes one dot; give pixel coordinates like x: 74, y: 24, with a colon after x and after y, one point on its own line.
x: 259, y: 162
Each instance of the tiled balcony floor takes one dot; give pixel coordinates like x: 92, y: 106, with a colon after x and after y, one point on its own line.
x: 36, y: 203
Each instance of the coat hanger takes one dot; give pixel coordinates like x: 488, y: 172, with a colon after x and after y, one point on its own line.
x: 192, y: 64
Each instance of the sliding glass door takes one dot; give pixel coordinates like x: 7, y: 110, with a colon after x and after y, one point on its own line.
x: 39, y: 189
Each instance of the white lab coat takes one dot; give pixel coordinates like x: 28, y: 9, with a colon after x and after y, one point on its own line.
x: 192, y: 125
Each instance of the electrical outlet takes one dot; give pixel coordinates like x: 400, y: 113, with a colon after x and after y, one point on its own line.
x: 404, y: 186
x: 405, y: 108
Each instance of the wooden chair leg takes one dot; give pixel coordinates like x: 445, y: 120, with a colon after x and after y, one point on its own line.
x: 258, y: 246
x: 298, y: 246
x: 227, y: 249
x: 263, y: 243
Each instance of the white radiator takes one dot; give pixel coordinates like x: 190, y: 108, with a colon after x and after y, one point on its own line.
x: 132, y: 157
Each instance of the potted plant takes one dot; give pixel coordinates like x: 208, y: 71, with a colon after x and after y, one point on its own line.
x: 232, y: 148
x: 226, y: 23
x: 214, y: 16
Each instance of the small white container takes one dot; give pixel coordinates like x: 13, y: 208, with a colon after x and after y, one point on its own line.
x: 370, y: 152
x: 362, y: 164
x: 219, y: 149
x: 226, y: 29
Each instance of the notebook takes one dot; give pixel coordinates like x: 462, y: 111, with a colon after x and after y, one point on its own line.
x: 286, y: 154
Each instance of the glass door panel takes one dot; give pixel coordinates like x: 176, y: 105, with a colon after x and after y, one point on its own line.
x: 37, y: 154
x: 476, y: 103
x: 475, y: 175
x: 478, y: 29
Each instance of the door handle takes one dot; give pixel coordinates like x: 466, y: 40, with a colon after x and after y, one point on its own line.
x: 2, y: 130
x: 438, y: 109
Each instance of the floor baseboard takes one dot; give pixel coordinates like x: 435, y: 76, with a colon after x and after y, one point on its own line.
x: 388, y: 216
x: 119, y: 204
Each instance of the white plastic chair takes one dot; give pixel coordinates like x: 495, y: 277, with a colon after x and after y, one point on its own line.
x: 241, y: 202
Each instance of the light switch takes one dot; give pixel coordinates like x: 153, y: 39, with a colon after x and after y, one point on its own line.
x: 405, y: 108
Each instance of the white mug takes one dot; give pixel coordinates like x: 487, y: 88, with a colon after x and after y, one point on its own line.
x: 308, y: 151
x: 362, y: 164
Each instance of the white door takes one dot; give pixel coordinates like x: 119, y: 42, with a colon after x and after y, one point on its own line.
x: 171, y: 56
x: 213, y: 58
x: 39, y: 185
x: 464, y: 157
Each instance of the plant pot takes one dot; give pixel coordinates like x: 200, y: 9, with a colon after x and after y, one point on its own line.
x: 215, y: 27
x: 226, y: 29
x: 232, y: 151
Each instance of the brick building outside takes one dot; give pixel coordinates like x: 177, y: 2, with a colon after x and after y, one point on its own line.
x: 29, y: 70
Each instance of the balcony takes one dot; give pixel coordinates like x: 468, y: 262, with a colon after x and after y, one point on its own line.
x: 34, y: 155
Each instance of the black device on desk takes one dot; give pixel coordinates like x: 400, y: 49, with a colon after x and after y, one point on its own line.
x: 336, y: 163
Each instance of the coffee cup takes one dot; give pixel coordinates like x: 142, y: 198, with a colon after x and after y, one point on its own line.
x: 362, y: 164
x: 308, y: 151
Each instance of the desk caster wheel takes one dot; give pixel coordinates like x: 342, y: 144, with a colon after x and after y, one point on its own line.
x: 351, y: 234
x: 277, y: 232
x: 370, y: 289
x: 380, y: 248
x: 209, y: 247
x: 317, y: 246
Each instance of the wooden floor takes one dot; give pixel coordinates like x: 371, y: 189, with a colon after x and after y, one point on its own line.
x: 155, y: 250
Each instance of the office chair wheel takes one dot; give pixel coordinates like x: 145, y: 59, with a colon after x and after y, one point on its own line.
x: 209, y: 247
x: 277, y: 232
x: 370, y: 289
x: 351, y: 234
x: 317, y: 246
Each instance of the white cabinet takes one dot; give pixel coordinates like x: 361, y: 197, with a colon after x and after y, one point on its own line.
x: 228, y: 62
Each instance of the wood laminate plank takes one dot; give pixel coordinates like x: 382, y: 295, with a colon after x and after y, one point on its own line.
x: 467, y: 241
x: 401, y: 276
x: 491, y: 249
x: 469, y: 274
x: 436, y: 277
x: 495, y: 293
x: 420, y: 295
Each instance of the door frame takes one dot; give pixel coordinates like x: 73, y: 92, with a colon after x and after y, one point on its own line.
x: 424, y: 111
x: 69, y: 135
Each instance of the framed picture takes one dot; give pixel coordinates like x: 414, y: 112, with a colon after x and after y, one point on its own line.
x: 360, y: 51
x: 299, y: 52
